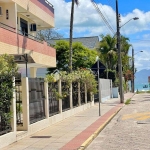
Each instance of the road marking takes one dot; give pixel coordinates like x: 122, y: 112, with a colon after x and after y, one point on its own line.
x: 137, y: 116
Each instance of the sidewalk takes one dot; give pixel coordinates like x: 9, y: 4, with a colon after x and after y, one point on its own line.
x: 73, y: 133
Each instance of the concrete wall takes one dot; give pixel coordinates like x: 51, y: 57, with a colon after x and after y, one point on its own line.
x: 105, y: 89
x: 37, y: 9
x: 12, y: 20
x: 12, y: 43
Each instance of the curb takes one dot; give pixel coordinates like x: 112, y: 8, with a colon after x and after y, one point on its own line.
x: 95, y: 134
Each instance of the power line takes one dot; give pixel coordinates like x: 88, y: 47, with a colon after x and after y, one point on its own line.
x: 105, y: 14
x: 103, y: 17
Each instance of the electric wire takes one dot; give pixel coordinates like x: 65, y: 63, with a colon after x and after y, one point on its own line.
x: 106, y: 16
x: 102, y: 16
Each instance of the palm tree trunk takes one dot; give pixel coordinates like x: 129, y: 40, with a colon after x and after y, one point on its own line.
x: 71, y: 35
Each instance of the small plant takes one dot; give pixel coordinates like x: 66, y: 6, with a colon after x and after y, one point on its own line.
x: 128, y: 101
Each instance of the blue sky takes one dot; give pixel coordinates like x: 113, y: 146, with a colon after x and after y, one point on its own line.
x: 87, y: 22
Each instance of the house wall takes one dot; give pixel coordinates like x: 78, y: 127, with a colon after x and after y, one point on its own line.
x: 37, y: 9
x: 12, y: 20
x: 12, y: 43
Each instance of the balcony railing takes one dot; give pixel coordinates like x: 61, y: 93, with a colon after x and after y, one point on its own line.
x: 49, y: 3
x: 7, y: 27
x: 29, y: 36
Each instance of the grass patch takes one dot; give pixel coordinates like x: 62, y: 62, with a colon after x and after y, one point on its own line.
x: 128, y: 101
x: 140, y: 92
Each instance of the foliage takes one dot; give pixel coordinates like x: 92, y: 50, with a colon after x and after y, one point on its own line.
x: 82, y: 56
x: 107, y: 50
x: 111, y: 75
x: 128, y: 101
x: 8, y: 69
x: 109, y: 56
x: 80, y: 75
x: 128, y: 75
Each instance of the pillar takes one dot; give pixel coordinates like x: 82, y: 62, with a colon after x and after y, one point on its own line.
x: 13, y: 108
x: 25, y: 103
x: 46, y: 99
x: 33, y: 72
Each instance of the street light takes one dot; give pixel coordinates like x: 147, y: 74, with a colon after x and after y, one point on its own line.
x: 135, y: 18
x: 119, y: 52
x: 133, y: 70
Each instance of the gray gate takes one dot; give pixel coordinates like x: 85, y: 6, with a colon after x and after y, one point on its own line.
x: 36, y: 99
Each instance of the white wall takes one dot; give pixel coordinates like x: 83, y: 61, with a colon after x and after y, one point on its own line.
x: 105, y: 89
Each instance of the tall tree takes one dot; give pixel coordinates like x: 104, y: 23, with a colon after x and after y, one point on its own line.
x: 108, y: 51
x: 82, y: 57
x: 71, y: 33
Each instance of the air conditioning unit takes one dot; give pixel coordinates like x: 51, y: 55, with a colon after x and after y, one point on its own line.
x: 33, y: 27
x: 0, y: 10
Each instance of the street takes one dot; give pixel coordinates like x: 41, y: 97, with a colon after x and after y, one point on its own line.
x: 129, y: 129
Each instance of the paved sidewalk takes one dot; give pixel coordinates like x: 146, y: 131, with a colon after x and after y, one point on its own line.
x: 129, y: 129
x: 73, y: 133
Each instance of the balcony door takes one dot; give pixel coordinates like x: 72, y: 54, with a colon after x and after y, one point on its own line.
x: 24, y: 27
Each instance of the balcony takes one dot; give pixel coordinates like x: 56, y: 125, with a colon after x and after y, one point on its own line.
x: 47, y: 4
x: 17, y: 42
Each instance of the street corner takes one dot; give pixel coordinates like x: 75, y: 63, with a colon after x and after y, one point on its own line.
x: 139, y: 117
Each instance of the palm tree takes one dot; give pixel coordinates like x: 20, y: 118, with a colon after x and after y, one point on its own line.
x: 71, y: 32
x: 108, y: 51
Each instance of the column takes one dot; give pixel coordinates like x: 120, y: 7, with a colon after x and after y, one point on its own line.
x: 46, y: 99
x: 25, y: 103
x: 13, y: 108
x: 33, y: 72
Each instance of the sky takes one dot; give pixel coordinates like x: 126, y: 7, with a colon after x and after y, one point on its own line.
x: 87, y: 22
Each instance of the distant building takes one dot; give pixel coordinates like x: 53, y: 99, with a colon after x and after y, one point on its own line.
x: 89, y: 42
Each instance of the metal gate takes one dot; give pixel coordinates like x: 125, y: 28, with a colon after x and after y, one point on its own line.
x: 53, y: 99
x: 66, y: 98
x: 36, y: 99
x: 82, y: 93
x: 75, y: 93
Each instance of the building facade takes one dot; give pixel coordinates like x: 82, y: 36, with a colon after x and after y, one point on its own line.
x: 20, y: 20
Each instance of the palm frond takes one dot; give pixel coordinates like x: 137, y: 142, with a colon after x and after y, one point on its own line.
x: 77, y: 2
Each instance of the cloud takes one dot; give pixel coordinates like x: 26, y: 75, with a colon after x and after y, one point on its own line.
x: 86, y: 16
x: 87, y: 22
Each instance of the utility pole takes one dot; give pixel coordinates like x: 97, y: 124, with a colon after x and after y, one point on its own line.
x: 119, y: 55
x: 99, y: 89
x: 132, y: 81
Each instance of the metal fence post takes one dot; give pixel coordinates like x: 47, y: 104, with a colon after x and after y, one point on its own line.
x: 70, y: 94
x: 60, y: 93
x: 79, y: 94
